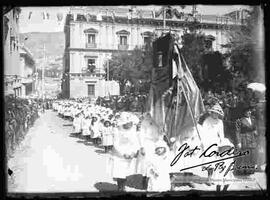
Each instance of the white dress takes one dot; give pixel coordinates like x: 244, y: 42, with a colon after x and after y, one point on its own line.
x: 77, y: 124
x: 107, y: 136
x: 125, y: 143
x: 147, y: 136
x: 191, y: 138
x: 158, y: 170
x: 86, y: 123
x: 95, y: 130
x: 214, y: 134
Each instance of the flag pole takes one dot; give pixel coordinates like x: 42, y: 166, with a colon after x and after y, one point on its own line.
x: 190, y: 109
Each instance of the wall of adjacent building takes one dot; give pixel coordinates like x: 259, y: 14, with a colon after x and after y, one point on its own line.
x: 11, y: 54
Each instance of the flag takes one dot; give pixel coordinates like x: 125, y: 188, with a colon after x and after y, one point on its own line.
x: 59, y: 17
x: 44, y: 15
x: 175, y: 100
x: 113, y: 15
x: 191, y: 108
x: 30, y: 13
x: 129, y: 15
x: 153, y: 14
x: 99, y: 17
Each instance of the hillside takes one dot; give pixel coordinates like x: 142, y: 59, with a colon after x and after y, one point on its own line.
x: 54, y: 45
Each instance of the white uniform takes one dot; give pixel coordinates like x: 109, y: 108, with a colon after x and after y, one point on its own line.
x: 95, y: 130
x: 214, y: 133
x: 191, y: 138
x: 86, y: 123
x: 158, y: 170
x: 107, y: 136
x: 125, y: 143
x: 147, y: 140
x: 77, y: 124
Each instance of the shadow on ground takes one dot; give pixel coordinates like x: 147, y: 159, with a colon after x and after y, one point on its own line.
x: 87, y: 143
x: 135, y: 181
x: 67, y: 124
x: 99, y: 151
x: 104, y: 186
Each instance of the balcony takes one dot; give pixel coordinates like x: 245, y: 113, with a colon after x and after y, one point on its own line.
x: 98, y: 73
x: 122, y: 47
x: 91, y: 45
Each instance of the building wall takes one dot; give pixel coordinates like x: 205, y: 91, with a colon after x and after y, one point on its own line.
x: 79, y: 87
x: 107, y: 42
x: 11, y: 46
x: 12, y: 70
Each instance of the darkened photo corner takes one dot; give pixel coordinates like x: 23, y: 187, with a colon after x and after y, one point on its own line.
x: 120, y: 99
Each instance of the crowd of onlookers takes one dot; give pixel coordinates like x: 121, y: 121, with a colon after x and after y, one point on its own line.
x: 233, y: 105
x: 20, y: 115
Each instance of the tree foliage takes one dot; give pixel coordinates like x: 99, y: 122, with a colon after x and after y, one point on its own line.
x: 132, y: 67
x: 242, y: 43
x: 193, y: 47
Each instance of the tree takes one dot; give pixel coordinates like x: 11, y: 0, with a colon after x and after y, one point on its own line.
x: 133, y: 67
x: 242, y: 44
x: 193, y: 47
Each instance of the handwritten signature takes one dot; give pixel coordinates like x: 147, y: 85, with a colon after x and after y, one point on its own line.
x: 219, y: 164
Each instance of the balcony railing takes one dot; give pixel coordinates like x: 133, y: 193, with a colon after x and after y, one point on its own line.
x: 122, y: 47
x: 91, y: 45
x: 98, y: 73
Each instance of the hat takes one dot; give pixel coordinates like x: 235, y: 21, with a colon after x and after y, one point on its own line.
x: 246, y: 108
x: 209, y: 38
x: 126, y: 117
x: 107, y: 120
x: 217, y: 109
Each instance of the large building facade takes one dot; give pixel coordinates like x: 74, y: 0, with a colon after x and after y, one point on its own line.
x: 92, y: 34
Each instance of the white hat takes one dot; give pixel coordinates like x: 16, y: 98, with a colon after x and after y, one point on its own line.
x: 217, y: 109
x: 126, y: 117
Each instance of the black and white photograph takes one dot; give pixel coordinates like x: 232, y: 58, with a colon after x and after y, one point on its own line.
x: 124, y: 99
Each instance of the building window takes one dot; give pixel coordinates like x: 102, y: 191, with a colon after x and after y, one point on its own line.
x: 91, y: 65
x: 123, y: 40
x: 91, y: 90
x: 91, y: 39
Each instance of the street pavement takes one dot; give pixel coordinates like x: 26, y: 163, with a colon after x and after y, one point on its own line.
x: 52, y: 159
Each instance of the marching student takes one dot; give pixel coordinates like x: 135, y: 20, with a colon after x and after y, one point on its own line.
x: 77, y: 123
x: 107, y: 135
x: 148, y: 135
x: 159, y: 167
x: 125, y: 150
x: 86, y: 123
x: 95, y: 135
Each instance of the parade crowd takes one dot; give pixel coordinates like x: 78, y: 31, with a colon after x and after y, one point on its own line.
x: 137, y: 145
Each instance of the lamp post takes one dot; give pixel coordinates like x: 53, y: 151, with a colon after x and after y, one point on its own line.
x: 42, y: 80
x: 108, y: 69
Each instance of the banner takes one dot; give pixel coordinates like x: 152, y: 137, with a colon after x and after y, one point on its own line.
x: 175, y: 100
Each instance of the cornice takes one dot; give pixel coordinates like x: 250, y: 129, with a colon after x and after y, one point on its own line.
x: 70, y: 50
x: 155, y: 23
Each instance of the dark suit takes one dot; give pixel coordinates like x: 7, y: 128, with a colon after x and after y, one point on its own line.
x: 247, y: 136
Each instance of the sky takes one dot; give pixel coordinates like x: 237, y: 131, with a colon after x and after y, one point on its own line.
x: 37, y: 24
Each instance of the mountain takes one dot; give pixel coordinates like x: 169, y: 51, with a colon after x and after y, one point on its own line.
x: 54, y: 45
